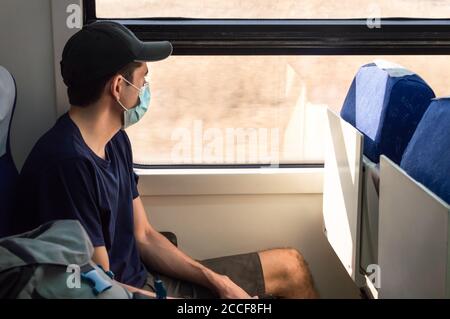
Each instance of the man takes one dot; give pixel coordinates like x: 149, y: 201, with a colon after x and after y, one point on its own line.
x: 82, y: 169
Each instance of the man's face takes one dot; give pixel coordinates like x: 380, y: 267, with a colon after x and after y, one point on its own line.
x: 130, y: 95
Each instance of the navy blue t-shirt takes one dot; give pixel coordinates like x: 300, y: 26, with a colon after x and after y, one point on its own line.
x: 63, y: 178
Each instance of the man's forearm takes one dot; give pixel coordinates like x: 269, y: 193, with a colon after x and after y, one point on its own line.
x: 161, y: 255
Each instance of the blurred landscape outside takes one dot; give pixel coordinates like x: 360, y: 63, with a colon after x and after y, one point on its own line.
x: 257, y: 109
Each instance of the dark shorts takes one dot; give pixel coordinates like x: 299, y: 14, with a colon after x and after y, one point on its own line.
x: 244, y: 269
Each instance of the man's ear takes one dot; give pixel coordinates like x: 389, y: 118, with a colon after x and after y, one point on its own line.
x: 116, y: 86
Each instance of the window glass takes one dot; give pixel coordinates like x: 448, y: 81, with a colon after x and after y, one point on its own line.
x: 252, y: 109
x: 270, y: 9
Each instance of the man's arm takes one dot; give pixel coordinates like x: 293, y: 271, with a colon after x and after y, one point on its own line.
x: 101, y: 258
x: 160, y: 254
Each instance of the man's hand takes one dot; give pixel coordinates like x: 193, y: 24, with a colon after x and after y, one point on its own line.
x: 227, y: 289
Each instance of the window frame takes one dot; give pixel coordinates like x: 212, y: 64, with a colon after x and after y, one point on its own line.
x: 397, y: 36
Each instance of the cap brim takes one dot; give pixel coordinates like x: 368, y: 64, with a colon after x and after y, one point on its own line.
x: 154, y: 51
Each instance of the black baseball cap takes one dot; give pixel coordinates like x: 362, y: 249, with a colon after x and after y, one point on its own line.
x: 102, y: 48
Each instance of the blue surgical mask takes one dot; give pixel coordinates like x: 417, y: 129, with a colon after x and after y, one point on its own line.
x: 133, y: 115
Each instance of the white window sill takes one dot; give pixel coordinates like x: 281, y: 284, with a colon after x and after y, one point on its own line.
x: 230, y: 181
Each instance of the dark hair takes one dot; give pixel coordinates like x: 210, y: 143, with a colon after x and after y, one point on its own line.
x: 89, y: 93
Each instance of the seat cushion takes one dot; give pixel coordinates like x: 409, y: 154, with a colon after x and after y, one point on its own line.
x: 427, y: 157
x: 385, y: 103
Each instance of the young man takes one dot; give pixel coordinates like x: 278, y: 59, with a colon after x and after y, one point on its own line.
x: 82, y: 169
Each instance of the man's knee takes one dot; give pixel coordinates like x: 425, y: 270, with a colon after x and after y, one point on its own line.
x: 301, y: 276
x: 294, y: 266
x: 294, y: 273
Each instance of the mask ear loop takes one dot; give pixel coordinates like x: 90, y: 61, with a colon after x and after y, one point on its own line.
x: 120, y: 103
x: 118, y: 100
x: 131, y: 84
x: 146, y: 84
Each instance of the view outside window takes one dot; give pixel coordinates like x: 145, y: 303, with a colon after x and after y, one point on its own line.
x: 252, y: 109
x: 271, y: 9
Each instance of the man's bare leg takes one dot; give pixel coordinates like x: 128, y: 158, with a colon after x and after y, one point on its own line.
x: 286, y: 274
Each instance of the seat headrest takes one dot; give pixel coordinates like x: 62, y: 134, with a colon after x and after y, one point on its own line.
x: 386, y: 102
x: 427, y: 157
x: 7, y: 101
x: 393, y: 69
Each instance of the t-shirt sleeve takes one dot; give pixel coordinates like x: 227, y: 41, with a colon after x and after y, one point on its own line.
x: 68, y: 191
x: 134, y: 182
x: 133, y: 176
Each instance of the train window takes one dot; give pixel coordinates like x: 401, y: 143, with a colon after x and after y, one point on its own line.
x: 239, y: 91
x: 269, y: 9
x: 252, y: 109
